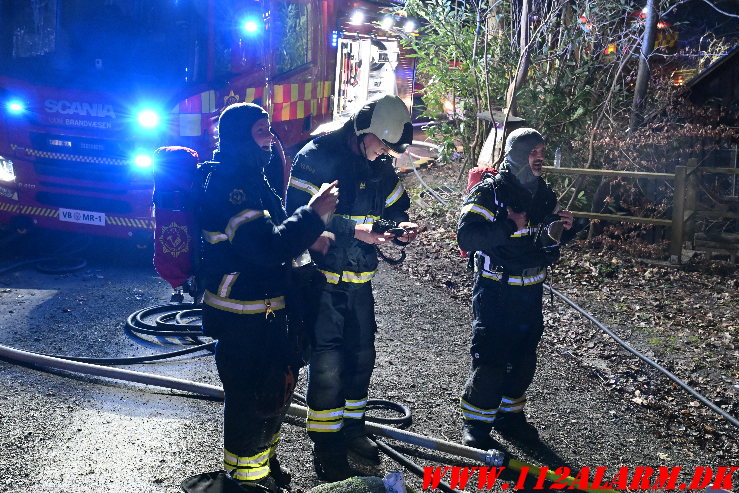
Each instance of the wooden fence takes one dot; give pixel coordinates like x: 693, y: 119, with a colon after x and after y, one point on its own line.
x: 684, y: 207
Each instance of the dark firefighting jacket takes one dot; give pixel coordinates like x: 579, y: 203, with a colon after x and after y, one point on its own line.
x: 501, y: 249
x: 249, y: 241
x: 367, y: 191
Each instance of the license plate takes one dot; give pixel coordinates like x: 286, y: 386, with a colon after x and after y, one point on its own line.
x: 82, y: 217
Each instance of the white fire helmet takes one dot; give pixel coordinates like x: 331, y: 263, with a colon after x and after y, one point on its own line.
x: 388, y: 119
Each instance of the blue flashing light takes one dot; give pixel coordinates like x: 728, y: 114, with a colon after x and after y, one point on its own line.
x: 142, y: 161
x: 15, y: 107
x: 251, y: 25
x: 334, y: 39
x: 148, y: 118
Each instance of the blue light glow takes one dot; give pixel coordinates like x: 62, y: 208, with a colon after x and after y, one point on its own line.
x: 251, y: 25
x: 148, y: 118
x: 142, y: 161
x: 16, y: 107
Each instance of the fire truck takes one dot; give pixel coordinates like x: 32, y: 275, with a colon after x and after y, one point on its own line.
x: 90, y: 88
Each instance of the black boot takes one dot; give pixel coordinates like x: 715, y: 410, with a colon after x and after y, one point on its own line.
x: 515, y: 427
x: 476, y: 434
x: 331, y: 464
x: 279, y: 473
x: 263, y: 485
x: 364, y: 449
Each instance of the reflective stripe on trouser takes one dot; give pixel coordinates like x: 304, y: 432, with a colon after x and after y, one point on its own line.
x: 512, y: 404
x: 332, y: 420
x: 250, y: 468
x: 474, y: 413
x: 341, y: 363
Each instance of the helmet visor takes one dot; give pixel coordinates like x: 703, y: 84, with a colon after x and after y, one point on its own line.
x: 405, y: 140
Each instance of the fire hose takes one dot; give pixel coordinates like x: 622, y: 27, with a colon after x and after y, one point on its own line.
x: 492, y: 458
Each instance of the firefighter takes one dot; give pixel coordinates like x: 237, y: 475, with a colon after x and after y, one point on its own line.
x: 343, y: 353
x: 499, y: 221
x: 248, y: 244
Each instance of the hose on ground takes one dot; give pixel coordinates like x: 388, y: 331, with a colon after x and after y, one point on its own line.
x: 646, y: 359
x: 409, y: 464
x: 492, y: 458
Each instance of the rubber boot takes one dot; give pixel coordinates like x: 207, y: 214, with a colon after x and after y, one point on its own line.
x: 364, y: 449
x: 476, y: 434
x: 331, y: 464
x: 282, y: 475
x: 515, y: 427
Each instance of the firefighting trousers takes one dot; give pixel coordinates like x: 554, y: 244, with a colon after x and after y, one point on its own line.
x: 258, y: 385
x: 341, y: 364
x: 506, y: 330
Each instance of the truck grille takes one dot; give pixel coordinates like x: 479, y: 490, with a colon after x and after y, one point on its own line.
x: 78, y: 157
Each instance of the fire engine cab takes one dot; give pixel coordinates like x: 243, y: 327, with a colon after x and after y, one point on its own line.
x: 90, y: 88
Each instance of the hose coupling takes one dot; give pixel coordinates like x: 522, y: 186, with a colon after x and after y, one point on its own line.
x: 495, y: 458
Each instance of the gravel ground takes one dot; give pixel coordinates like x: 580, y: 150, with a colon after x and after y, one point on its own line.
x: 65, y: 432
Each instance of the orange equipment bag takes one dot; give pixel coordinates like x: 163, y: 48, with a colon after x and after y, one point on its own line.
x: 473, y: 178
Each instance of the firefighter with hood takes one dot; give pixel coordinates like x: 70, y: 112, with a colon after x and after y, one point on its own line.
x: 343, y: 354
x: 507, y: 220
x: 249, y: 242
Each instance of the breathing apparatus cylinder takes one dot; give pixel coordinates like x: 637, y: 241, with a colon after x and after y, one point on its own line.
x: 176, y: 235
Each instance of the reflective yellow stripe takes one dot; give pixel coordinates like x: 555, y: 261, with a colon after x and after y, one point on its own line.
x: 224, y: 290
x: 394, y: 195
x: 478, y: 209
x: 357, y: 277
x: 243, y: 307
x: 516, y: 280
x: 214, y: 237
x: 324, y: 428
x: 302, y: 185
x: 327, y: 415
x: 331, y: 277
x: 471, y: 412
x: 329, y: 420
x: 241, y: 218
x: 355, y: 408
x: 511, y: 405
x: 235, y: 461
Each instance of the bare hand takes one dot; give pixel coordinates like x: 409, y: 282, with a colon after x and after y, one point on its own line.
x: 412, y: 230
x: 323, y: 243
x: 567, y: 218
x: 518, y: 217
x: 324, y: 202
x: 363, y: 232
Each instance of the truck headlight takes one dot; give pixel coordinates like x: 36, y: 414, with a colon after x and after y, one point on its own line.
x: 7, y: 173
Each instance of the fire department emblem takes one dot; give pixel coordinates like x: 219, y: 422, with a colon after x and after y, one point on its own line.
x: 230, y: 99
x: 362, y: 185
x: 175, y: 239
x: 237, y: 196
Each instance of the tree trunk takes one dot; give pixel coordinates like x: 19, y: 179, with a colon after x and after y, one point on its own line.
x: 523, y: 61
x: 642, y: 76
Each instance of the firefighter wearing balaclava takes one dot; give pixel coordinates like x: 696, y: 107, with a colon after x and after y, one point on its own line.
x: 343, y: 354
x: 499, y: 222
x: 248, y: 245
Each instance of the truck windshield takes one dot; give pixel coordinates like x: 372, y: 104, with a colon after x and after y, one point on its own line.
x: 102, y: 44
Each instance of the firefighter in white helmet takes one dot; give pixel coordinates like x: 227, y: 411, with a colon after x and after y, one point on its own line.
x: 343, y: 354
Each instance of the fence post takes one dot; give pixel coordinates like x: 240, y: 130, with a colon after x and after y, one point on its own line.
x: 678, y: 215
x: 691, y: 192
